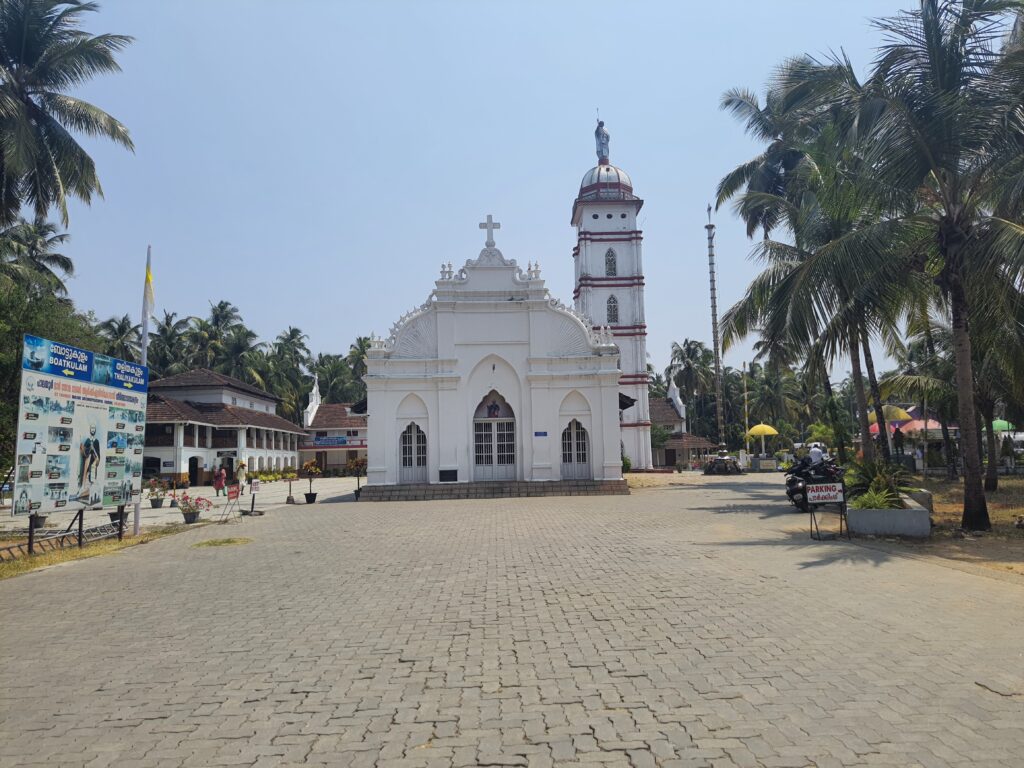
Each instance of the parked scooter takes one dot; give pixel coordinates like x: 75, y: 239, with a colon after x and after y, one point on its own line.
x: 805, y: 473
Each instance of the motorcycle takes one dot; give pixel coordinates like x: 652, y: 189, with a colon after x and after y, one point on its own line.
x: 804, y: 473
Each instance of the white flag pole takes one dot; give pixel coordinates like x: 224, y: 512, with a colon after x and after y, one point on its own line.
x: 146, y: 312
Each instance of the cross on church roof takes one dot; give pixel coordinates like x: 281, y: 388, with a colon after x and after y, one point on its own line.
x: 490, y: 225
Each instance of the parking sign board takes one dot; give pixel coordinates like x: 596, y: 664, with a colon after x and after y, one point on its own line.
x: 825, y: 493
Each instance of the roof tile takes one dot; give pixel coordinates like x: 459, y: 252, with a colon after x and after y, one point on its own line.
x: 336, y: 416
x: 204, y: 377
x: 160, y: 409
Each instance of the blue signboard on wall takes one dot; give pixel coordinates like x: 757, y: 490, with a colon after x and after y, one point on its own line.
x: 67, y: 362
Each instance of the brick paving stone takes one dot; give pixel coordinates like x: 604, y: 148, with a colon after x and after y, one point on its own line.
x: 679, y: 626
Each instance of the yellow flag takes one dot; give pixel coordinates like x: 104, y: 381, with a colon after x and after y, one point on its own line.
x: 148, y: 299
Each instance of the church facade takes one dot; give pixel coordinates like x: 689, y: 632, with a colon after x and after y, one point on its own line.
x: 493, y: 379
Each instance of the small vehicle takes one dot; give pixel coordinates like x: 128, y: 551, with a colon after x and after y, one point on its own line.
x: 804, y: 472
x: 723, y: 464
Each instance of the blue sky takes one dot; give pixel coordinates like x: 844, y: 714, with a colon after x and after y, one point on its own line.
x: 315, y: 162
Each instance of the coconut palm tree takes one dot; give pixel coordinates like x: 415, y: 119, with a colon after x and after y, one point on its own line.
x: 783, y: 187
x: 240, y: 356
x: 204, y: 343
x: 167, y: 354
x: 782, y: 131
x: 357, y: 356
x: 122, y: 337
x: 224, y: 316
x: 692, y: 368
x: 291, y: 344
x: 337, y: 383
x: 28, y: 253
x: 939, y: 129
x: 44, y: 53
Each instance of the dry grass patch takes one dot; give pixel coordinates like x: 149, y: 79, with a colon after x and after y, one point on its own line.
x: 223, y: 542
x: 1002, y: 549
x: 71, y: 553
x: 637, y: 480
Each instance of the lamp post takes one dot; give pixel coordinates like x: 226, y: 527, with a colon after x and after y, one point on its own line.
x: 746, y: 413
x: 719, y: 409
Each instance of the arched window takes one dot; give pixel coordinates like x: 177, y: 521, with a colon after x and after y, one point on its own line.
x: 412, y: 455
x: 611, y: 267
x: 613, y: 310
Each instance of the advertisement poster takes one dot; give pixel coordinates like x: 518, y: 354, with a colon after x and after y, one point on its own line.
x: 81, y: 429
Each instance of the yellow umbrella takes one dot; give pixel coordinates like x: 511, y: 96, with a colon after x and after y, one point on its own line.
x: 891, y: 413
x: 760, y: 430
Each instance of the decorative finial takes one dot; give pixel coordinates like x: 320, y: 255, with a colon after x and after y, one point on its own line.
x: 490, y: 225
x: 709, y: 213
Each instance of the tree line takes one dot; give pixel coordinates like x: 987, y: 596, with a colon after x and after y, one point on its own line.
x: 890, y: 209
x: 223, y: 343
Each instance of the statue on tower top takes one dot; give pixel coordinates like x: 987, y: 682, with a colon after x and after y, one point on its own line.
x: 602, y: 138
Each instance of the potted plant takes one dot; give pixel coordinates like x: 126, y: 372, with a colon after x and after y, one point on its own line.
x: 191, y: 506
x: 310, y: 469
x: 356, y: 467
x: 156, y: 492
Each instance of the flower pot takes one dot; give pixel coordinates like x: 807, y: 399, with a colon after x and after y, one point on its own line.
x: 154, y: 503
x: 115, y: 517
x: 190, y: 517
x: 310, y: 498
x: 173, y: 504
x: 38, y: 521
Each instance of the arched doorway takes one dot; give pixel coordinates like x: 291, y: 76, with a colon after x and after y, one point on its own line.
x: 494, y: 439
x: 575, y: 452
x: 412, y: 455
x: 193, y: 471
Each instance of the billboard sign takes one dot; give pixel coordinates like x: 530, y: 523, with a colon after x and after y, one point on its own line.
x: 81, y: 429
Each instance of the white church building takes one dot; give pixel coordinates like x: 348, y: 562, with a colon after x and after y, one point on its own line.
x: 494, y: 379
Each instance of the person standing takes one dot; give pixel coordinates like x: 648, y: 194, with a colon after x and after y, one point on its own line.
x: 240, y: 476
x: 816, y: 454
x: 219, y: 478
x: 897, y: 441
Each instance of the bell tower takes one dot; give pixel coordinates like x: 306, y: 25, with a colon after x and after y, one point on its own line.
x: 610, y: 285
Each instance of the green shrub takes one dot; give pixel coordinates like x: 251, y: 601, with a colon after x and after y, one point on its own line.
x: 626, y: 464
x: 865, y: 476
x: 876, y: 499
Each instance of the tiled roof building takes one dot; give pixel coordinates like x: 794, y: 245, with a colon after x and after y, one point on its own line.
x: 335, y: 433
x: 200, y: 420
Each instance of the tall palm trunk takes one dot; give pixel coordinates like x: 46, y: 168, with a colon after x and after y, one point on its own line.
x: 876, y: 396
x: 988, y: 413
x: 947, y: 441
x: 833, y: 411
x: 949, y: 451
x: 862, y: 402
x: 975, y: 517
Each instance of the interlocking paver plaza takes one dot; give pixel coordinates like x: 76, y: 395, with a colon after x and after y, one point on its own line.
x: 674, y: 627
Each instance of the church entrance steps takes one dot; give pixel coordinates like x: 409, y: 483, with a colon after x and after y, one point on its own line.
x: 494, y: 490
